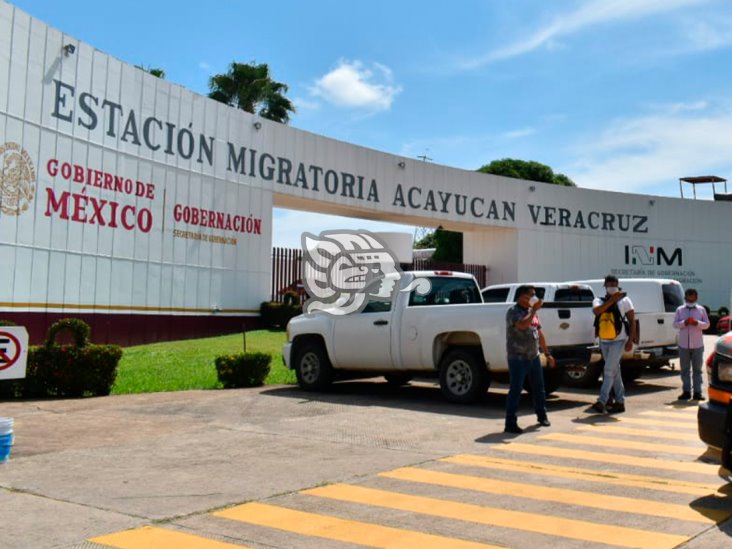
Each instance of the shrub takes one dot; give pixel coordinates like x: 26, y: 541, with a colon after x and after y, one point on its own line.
x: 243, y: 369
x: 79, y: 330
x: 67, y: 370
x: 277, y: 315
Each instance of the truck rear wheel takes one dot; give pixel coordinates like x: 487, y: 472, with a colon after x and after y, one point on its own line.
x: 631, y: 373
x: 463, y: 376
x: 582, y: 375
x: 312, y: 366
x: 552, y: 380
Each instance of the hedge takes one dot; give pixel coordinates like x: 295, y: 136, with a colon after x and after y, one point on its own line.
x: 243, y: 369
x: 66, y: 370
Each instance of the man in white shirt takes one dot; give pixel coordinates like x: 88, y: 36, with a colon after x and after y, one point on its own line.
x: 615, y: 327
x: 691, y: 320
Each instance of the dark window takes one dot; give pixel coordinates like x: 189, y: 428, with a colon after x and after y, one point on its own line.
x: 375, y: 304
x: 447, y: 291
x: 673, y: 297
x: 495, y: 295
x: 574, y: 294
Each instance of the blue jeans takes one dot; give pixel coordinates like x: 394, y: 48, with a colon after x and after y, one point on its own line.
x: 691, y: 358
x: 518, y: 369
x: 612, y: 352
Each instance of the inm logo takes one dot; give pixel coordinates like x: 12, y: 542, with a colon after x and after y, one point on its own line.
x: 652, y: 255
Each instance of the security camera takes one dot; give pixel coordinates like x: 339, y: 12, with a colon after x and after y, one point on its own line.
x: 69, y: 49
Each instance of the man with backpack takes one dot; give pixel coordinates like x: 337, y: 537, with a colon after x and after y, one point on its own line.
x: 615, y: 327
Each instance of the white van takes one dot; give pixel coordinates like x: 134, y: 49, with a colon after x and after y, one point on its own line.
x: 655, y: 301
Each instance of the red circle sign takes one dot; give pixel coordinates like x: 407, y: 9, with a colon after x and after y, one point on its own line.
x: 7, y: 360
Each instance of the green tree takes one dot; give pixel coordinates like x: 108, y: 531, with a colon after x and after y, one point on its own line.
x: 526, y: 169
x: 427, y: 241
x: 249, y: 86
x: 448, y: 245
x: 160, y: 73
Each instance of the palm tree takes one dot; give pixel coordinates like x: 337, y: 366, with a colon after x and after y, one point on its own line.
x: 249, y: 87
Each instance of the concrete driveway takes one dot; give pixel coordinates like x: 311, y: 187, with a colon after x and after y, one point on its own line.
x: 361, y: 465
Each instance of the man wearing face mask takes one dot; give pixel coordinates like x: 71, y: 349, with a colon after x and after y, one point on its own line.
x: 691, y: 320
x: 615, y: 327
x: 523, y: 340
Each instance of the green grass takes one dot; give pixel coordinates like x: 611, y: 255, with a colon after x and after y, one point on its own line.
x: 189, y: 364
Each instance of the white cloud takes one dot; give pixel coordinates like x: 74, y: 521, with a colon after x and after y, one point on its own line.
x: 588, y: 14
x: 518, y: 134
x: 204, y: 66
x: 653, y: 152
x: 302, y: 104
x: 352, y: 84
x: 676, y: 108
x: 706, y: 35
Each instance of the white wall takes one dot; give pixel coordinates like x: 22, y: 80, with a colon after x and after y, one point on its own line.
x: 557, y: 232
x: 70, y: 250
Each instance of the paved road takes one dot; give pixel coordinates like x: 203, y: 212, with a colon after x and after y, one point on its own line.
x: 363, y: 465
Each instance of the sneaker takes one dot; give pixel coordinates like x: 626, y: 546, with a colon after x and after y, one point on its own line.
x: 544, y: 422
x: 514, y: 429
x: 698, y: 396
x: 684, y: 396
x: 618, y: 408
x: 599, y: 407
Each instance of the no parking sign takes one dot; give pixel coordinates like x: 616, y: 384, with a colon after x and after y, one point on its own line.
x: 13, y: 352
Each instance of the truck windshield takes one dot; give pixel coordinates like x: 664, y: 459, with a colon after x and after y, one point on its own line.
x: 495, y: 295
x: 447, y: 291
x: 673, y: 297
x: 574, y: 294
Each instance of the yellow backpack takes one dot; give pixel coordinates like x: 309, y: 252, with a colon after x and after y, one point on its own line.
x: 606, y: 326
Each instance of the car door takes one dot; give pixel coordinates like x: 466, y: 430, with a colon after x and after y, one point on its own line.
x: 362, y: 341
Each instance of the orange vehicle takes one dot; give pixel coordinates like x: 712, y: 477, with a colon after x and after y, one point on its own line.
x: 715, y: 416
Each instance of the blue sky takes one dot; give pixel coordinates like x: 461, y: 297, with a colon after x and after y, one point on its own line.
x: 625, y: 95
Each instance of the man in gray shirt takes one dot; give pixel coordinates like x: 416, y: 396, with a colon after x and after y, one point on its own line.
x: 523, y: 340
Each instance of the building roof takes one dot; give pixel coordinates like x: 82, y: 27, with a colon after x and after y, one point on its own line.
x: 703, y: 179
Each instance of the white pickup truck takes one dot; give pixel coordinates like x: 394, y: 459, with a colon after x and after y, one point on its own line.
x: 447, y: 332
x: 567, y: 320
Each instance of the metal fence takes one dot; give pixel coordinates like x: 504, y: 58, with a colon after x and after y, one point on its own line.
x: 287, y: 271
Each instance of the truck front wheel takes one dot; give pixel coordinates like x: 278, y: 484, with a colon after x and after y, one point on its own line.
x: 312, y: 366
x: 463, y: 376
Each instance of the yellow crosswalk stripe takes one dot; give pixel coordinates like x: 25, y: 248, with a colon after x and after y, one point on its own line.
x: 611, y: 457
x: 559, y: 495
x: 350, y: 531
x: 682, y: 426
x: 689, y: 409
x: 494, y: 516
x: 150, y: 537
x: 675, y: 416
x: 605, y: 428
x: 614, y: 443
x: 607, y: 477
